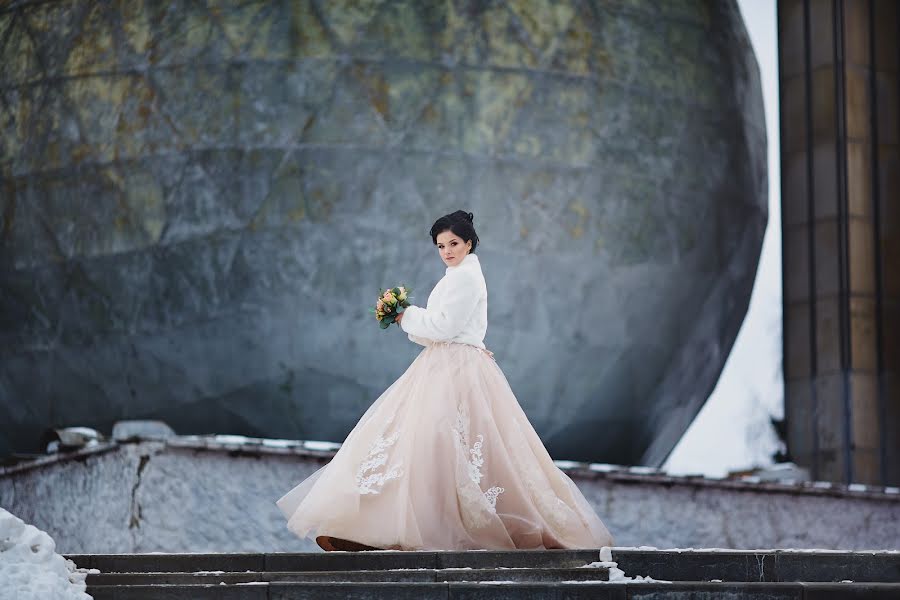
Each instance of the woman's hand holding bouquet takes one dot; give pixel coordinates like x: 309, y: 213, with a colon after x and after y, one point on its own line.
x: 390, y: 305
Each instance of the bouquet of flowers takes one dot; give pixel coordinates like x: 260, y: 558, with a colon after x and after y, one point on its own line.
x: 391, y: 302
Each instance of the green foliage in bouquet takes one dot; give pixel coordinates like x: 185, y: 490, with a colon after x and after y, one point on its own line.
x: 391, y: 302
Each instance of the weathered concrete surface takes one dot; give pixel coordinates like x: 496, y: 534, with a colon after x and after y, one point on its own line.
x: 197, y: 204
x: 161, y: 496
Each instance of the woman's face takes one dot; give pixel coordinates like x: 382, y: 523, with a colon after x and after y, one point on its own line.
x: 452, y: 248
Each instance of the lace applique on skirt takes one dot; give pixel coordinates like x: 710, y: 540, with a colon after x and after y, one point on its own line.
x: 368, y: 480
x: 478, y: 506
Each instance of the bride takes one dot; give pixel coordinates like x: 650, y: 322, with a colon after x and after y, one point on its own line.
x: 445, y: 459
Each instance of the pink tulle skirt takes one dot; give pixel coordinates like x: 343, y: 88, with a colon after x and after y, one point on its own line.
x: 445, y: 459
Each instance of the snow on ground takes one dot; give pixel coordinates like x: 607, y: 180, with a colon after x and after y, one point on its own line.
x: 30, y: 568
x: 617, y: 575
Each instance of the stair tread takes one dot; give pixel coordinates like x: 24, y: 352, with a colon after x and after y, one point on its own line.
x: 338, y: 576
x: 493, y: 590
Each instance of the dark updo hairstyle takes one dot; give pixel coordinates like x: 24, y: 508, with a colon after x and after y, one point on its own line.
x: 460, y: 223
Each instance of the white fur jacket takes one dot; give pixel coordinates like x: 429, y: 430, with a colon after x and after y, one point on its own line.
x: 456, y: 309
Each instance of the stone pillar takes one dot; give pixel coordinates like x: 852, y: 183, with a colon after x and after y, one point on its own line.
x: 840, y: 160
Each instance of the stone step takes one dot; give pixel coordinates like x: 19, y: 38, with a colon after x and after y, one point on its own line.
x: 215, y: 578
x: 693, y: 565
x: 333, y: 561
x: 398, y: 576
x: 770, y: 566
x: 503, y: 591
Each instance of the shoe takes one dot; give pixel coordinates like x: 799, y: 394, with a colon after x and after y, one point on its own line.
x: 332, y: 544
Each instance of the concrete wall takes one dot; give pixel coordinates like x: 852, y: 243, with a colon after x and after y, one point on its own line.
x: 198, y: 496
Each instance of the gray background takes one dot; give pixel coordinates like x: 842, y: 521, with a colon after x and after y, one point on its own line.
x: 198, y: 206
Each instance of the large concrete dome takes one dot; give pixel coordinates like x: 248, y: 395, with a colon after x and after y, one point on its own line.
x: 200, y: 201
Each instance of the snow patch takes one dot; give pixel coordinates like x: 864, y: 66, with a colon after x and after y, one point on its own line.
x: 600, y: 564
x: 277, y: 443
x: 30, y: 568
x: 323, y: 446
x: 617, y: 575
x: 231, y: 439
x: 604, y: 467
x: 567, y: 464
x: 644, y: 470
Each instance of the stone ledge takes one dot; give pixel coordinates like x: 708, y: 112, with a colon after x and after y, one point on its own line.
x: 622, y: 474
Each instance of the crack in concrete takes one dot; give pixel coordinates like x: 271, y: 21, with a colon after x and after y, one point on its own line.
x: 135, y: 521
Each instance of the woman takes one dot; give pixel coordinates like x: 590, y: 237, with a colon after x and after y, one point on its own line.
x: 445, y: 459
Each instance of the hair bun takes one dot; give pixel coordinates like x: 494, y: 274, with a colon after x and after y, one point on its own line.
x: 461, y: 215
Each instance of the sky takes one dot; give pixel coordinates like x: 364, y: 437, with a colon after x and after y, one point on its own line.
x: 733, y: 430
